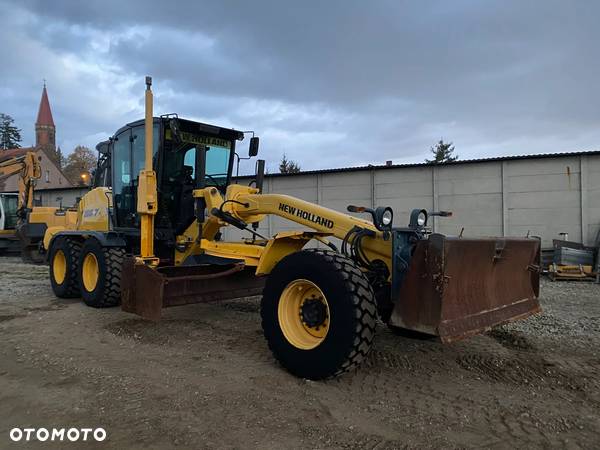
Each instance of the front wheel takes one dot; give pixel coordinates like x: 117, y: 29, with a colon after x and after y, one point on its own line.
x: 100, y: 274
x: 318, y: 314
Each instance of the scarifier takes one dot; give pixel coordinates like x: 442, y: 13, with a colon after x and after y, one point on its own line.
x: 149, y: 236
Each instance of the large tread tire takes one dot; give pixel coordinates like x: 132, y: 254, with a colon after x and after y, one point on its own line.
x: 107, y: 292
x: 71, y: 249
x: 352, y: 307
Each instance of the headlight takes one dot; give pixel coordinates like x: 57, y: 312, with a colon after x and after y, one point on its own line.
x: 384, y: 218
x: 418, y: 218
x: 387, y: 217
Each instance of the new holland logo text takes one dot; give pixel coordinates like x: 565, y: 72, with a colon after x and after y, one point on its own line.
x: 306, y: 215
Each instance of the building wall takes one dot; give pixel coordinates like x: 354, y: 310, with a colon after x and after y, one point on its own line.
x: 539, y: 196
x: 542, y: 196
x: 590, y: 212
x: 51, y: 178
x: 49, y: 197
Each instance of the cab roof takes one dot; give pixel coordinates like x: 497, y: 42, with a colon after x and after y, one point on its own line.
x: 191, y: 127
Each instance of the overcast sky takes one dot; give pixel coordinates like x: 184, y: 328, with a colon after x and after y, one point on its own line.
x: 330, y: 83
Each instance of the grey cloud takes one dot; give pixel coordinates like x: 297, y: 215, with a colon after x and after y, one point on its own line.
x: 380, y: 81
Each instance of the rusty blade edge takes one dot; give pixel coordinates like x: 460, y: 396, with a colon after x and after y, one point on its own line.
x: 450, y: 337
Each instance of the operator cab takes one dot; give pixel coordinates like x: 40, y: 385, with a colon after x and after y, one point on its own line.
x: 175, y: 162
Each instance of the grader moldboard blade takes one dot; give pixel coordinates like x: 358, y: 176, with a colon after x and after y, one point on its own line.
x: 145, y: 291
x: 456, y: 287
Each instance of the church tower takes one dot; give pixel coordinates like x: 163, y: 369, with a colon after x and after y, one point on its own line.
x: 45, y: 131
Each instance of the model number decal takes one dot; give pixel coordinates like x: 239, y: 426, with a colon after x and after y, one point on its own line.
x: 91, y: 212
x: 306, y: 215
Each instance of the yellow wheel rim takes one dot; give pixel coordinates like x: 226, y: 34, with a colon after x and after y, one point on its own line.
x: 59, y: 267
x: 90, y: 273
x: 303, y: 314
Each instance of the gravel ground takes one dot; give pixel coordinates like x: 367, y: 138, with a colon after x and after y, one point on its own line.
x: 204, y: 378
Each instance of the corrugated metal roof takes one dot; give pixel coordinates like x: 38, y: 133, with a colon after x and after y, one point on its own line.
x: 424, y: 164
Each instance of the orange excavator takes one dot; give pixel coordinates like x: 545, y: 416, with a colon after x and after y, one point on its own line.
x: 22, y: 225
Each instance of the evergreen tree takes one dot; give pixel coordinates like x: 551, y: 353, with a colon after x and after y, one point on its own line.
x: 287, y: 166
x: 10, y: 136
x: 442, y: 152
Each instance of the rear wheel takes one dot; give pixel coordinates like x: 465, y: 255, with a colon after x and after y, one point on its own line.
x: 318, y: 314
x: 100, y: 274
x: 64, y: 267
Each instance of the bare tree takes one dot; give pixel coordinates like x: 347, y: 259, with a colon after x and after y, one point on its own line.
x: 79, y: 165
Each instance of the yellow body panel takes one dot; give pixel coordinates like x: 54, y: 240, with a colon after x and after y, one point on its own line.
x: 56, y: 219
x: 53, y: 216
x: 92, y: 214
x: 282, y: 245
x: 236, y: 250
x: 49, y: 234
x: 93, y: 210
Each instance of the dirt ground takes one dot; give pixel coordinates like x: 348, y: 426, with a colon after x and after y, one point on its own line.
x: 204, y: 378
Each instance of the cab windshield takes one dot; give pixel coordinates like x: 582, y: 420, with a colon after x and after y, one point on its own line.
x: 179, y: 172
x: 218, y: 153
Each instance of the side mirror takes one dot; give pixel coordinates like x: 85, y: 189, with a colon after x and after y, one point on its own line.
x: 253, y: 148
x: 102, y: 147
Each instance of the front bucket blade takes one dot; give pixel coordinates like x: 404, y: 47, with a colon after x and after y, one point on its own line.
x: 145, y: 291
x: 457, y: 287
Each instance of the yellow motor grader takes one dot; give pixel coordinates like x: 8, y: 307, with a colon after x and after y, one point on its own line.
x: 149, y: 236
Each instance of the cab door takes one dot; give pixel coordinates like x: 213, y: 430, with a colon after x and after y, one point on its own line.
x: 124, y: 197
x: 128, y: 159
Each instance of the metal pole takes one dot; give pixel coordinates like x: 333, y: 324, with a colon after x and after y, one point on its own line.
x: 148, y: 125
x: 147, y: 192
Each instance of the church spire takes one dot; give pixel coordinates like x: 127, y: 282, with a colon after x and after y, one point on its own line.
x: 44, y: 113
x: 45, y: 131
